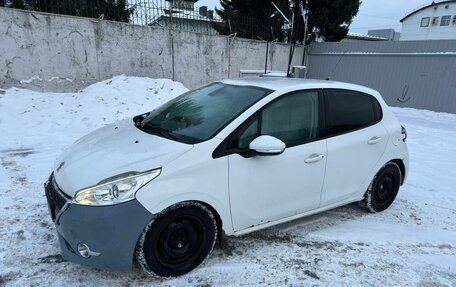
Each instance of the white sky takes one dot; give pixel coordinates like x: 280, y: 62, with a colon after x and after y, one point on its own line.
x: 373, y: 14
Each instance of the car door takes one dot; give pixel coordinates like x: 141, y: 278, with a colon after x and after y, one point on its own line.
x: 356, y: 141
x: 269, y: 188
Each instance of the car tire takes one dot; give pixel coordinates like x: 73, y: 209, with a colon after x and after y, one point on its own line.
x: 383, y: 189
x: 178, y: 240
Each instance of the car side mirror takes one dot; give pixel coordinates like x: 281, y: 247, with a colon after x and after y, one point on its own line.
x: 267, y: 145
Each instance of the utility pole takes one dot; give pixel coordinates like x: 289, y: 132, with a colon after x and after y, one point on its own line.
x: 268, y: 39
x: 292, y: 43
x: 305, y: 15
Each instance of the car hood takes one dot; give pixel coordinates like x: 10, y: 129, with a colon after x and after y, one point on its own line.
x: 112, y: 150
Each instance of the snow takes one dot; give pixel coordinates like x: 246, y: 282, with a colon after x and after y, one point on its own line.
x: 56, y: 79
x: 388, y: 54
x: 387, y: 232
x: 364, y: 36
x: 412, y: 243
x: 29, y: 81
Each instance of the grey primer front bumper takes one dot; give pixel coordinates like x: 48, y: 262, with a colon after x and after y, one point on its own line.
x: 112, y: 231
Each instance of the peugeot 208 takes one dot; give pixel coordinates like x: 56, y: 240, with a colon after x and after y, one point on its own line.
x: 231, y: 157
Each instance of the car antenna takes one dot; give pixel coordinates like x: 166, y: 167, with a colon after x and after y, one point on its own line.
x: 290, y: 23
x: 268, y: 38
x: 335, y: 67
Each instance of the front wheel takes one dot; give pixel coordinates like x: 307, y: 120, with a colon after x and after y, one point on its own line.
x: 177, y: 241
x: 384, y: 188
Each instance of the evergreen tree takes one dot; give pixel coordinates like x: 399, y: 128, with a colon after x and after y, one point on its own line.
x: 331, y: 18
x: 252, y: 18
x: 252, y: 8
x: 115, y: 10
x: 18, y: 4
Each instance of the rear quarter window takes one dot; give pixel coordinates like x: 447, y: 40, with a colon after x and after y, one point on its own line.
x: 348, y: 111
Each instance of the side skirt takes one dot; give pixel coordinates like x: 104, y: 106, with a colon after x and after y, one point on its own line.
x: 294, y: 217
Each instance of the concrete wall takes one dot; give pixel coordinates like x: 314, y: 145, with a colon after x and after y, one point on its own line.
x: 416, y: 74
x: 63, y: 53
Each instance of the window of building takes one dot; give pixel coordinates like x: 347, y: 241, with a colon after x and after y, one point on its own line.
x: 435, y: 21
x: 445, y: 20
x: 454, y: 20
x: 425, y: 22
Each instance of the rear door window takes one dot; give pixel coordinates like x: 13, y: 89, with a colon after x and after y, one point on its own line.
x: 349, y: 111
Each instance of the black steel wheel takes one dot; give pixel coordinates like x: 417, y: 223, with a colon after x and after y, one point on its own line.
x: 384, y: 188
x: 177, y: 241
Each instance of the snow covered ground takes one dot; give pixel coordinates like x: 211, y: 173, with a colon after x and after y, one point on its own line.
x: 412, y: 243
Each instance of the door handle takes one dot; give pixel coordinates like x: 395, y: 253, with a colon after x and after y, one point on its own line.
x: 374, y: 140
x: 314, y: 158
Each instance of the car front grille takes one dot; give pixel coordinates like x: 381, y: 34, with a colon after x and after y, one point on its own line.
x: 55, y: 197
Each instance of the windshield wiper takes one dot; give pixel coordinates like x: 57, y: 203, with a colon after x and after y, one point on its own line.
x: 138, y: 119
x: 160, y: 131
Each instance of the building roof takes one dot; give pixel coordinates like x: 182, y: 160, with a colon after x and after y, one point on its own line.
x: 427, y: 6
x: 186, y: 15
x: 194, y: 1
x: 358, y: 36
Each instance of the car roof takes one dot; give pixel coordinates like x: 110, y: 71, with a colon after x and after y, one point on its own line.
x: 278, y: 84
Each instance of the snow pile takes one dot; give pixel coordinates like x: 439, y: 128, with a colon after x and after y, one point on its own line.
x: 34, y: 122
x: 412, y: 243
x: 46, y: 117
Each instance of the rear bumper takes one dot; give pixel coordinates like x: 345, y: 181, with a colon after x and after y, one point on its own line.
x: 110, y: 232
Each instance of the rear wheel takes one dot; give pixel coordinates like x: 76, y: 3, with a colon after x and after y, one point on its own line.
x: 177, y: 241
x: 384, y: 188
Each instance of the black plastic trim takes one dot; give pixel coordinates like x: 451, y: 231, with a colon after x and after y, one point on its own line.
x: 112, y: 231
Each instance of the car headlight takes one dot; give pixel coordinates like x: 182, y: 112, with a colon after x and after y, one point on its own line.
x: 116, y: 190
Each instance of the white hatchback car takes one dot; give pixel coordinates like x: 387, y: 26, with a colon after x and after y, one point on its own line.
x: 231, y: 157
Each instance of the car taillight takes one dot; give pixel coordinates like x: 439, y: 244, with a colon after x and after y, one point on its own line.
x: 404, y: 134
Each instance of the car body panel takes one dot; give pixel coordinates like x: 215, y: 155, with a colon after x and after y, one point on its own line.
x: 112, y: 150
x: 195, y: 176
x: 257, y: 182
x: 351, y: 159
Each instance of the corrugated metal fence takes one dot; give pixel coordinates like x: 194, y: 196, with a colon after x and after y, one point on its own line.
x: 416, y: 74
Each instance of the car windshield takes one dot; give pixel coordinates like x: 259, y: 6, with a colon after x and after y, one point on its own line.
x: 198, y: 115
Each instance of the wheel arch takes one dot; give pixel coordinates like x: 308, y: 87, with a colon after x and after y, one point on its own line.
x: 157, y: 266
x: 217, y: 217
x: 374, y: 206
x: 401, y: 165
x: 221, y: 214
